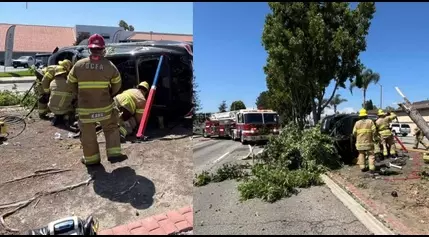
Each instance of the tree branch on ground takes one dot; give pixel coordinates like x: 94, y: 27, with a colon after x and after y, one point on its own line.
x: 22, y: 204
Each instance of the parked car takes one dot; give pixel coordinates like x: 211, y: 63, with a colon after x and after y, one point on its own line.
x: 400, y: 128
x: 23, y: 61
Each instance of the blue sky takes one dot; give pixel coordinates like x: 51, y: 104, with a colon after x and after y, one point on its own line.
x: 229, y: 56
x: 157, y: 17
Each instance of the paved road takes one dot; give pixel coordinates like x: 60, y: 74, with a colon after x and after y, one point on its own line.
x: 218, y: 210
x: 21, y: 87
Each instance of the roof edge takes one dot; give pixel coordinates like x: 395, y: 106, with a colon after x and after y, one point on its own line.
x: 71, y: 27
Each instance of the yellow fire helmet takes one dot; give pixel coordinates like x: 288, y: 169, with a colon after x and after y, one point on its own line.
x: 59, y: 70
x: 144, y: 84
x: 363, y: 113
x: 381, y: 112
x: 66, y: 64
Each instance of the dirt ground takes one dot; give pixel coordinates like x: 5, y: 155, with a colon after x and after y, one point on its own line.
x: 411, y: 206
x: 156, y: 177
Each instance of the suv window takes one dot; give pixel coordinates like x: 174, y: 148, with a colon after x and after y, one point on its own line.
x: 405, y: 126
x: 395, y: 125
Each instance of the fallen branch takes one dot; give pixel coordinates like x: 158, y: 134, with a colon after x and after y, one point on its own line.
x: 36, y: 174
x: 22, y: 204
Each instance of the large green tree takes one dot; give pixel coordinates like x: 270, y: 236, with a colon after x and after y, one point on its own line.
x: 263, y: 100
x: 125, y: 25
x: 237, y: 105
x: 365, y: 78
x: 223, y: 107
x: 195, y: 97
x: 311, y: 45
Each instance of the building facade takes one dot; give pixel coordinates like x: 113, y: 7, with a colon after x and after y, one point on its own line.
x: 32, y: 39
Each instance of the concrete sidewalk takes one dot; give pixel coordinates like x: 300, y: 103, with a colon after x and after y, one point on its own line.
x: 169, y: 223
x: 11, y: 80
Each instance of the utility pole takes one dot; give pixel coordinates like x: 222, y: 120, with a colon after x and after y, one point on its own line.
x: 381, y: 96
x: 26, y: 5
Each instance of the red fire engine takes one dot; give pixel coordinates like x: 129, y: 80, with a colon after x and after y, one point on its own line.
x: 244, y: 125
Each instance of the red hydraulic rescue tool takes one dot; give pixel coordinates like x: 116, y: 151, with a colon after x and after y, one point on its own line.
x: 145, y: 118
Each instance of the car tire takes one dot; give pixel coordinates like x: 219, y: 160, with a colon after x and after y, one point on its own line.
x: 25, y: 65
x: 404, y: 134
x: 14, y: 66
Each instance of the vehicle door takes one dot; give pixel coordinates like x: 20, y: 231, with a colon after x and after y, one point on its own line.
x: 30, y: 61
x: 146, y: 70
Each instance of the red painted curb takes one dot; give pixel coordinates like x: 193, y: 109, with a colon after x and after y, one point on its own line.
x: 164, y: 224
x: 393, y: 222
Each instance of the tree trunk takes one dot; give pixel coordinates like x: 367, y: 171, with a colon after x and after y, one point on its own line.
x: 335, y: 109
x: 416, y: 117
x: 364, y: 98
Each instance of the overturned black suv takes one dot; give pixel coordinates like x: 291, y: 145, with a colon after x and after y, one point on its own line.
x: 340, y: 127
x: 138, y: 62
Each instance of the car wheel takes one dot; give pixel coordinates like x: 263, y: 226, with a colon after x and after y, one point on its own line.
x: 404, y: 134
x: 14, y: 66
x: 25, y: 65
x: 204, y: 134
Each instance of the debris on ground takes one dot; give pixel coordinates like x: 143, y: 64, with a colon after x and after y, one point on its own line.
x: 154, y: 179
x: 404, y: 194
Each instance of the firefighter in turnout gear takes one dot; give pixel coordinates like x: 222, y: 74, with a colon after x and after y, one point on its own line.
x: 365, y: 131
x: 61, y: 96
x: 131, y: 104
x: 419, y: 136
x: 42, y: 104
x: 96, y: 80
x: 385, y: 133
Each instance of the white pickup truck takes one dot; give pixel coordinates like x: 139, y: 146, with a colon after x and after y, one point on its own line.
x: 400, y: 128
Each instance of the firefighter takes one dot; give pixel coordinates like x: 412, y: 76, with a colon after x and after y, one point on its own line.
x: 96, y: 80
x: 419, y: 136
x: 131, y: 104
x: 385, y: 133
x: 61, y: 96
x: 365, y: 131
x: 42, y: 104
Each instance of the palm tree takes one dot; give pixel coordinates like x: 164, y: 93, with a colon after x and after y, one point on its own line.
x: 336, y: 100
x: 363, y: 81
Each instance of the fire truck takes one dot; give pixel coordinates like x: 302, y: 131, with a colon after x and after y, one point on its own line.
x: 246, y: 125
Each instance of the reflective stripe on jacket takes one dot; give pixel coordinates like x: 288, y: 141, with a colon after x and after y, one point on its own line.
x: 95, y: 82
x: 134, y: 101
x: 365, y: 131
x: 60, y: 100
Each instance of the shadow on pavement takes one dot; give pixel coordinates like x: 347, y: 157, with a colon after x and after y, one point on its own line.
x: 123, y: 185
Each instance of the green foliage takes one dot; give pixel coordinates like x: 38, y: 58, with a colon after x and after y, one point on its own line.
x: 365, y: 78
x: 263, y: 100
x: 237, y: 105
x: 294, y: 159
x: 227, y: 171
x: 195, y: 97
x: 223, y: 107
x: 25, y: 73
x: 337, y: 100
x: 369, y: 105
x: 389, y: 109
x: 310, y: 44
x: 125, y: 25
x: 8, y: 98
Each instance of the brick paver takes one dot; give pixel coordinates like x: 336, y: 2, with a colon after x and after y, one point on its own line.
x: 162, y: 224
